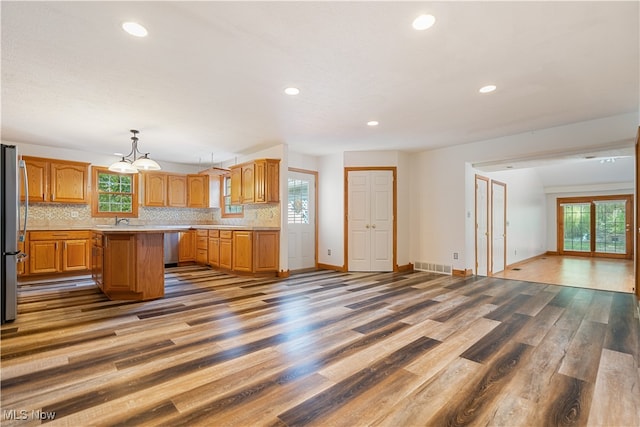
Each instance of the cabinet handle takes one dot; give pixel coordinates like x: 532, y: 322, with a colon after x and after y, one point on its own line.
x: 56, y: 246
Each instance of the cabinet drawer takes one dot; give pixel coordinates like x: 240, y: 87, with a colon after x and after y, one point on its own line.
x: 202, y: 233
x: 226, y: 234
x: 214, y: 233
x: 202, y: 242
x: 59, y: 235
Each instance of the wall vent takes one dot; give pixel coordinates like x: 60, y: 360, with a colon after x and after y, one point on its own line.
x: 435, y: 268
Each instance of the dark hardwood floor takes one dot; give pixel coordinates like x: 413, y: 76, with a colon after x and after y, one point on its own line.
x: 322, y: 348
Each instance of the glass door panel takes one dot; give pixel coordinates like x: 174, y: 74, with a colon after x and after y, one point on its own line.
x: 577, y: 227
x: 611, y: 227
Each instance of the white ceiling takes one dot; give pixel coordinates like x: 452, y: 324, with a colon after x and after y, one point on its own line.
x: 209, y: 78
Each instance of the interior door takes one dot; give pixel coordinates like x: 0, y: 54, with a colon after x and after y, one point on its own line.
x: 482, y: 226
x: 370, y: 220
x: 301, y: 219
x: 498, y: 226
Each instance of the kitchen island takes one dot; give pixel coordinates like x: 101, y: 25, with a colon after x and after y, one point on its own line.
x: 127, y: 262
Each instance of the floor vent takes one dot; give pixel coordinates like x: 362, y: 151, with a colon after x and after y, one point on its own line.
x: 436, y: 268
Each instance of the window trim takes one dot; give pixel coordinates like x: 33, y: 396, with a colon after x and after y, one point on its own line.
x: 95, y: 170
x: 223, y: 206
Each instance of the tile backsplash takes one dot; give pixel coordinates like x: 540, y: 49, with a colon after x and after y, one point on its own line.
x: 68, y: 215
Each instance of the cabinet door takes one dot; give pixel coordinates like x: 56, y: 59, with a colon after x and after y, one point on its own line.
x: 243, y: 251
x: 177, y: 192
x: 236, y: 185
x: 22, y: 263
x: 187, y: 246
x: 214, y: 252
x: 97, y: 257
x: 69, y: 183
x: 44, y: 256
x: 266, y: 247
x: 272, y: 181
x: 248, y: 183
x: 119, y: 262
x: 38, y: 175
x: 198, y: 191
x: 226, y: 246
x: 75, y: 255
x: 155, y: 189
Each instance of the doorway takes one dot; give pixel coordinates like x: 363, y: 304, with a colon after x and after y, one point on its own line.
x: 370, y: 224
x: 301, y: 219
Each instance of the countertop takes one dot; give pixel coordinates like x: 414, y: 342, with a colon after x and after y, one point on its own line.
x: 154, y: 228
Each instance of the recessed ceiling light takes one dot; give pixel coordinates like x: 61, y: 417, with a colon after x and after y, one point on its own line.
x: 424, y: 22
x: 373, y: 123
x: 134, y: 29
x: 487, y: 89
x: 292, y: 91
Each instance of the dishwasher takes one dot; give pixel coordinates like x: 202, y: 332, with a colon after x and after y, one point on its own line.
x: 171, y: 244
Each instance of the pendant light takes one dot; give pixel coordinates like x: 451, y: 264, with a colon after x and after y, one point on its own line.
x: 135, y: 161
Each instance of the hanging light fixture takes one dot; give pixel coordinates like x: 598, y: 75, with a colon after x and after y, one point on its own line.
x: 135, y: 160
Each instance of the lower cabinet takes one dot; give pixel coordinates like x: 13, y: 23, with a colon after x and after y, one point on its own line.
x: 59, y: 251
x: 256, y: 251
x: 226, y: 249
x: 202, y: 246
x: 187, y: 246
x: 97, y: 258
x: 213, y: 248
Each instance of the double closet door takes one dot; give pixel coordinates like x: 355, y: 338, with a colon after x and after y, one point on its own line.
x: 370, y: 230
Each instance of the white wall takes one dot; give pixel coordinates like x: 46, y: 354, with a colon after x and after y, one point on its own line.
x: 331, y: 209
x: 527, y: 220
x: 443, y: 184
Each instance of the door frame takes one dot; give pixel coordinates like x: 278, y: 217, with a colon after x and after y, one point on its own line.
x: 315, y: 213
x: 504, y: 227
x: 590, y: 199
x: 636, y: 232
x: 488, y: 225
x: 394, y: 172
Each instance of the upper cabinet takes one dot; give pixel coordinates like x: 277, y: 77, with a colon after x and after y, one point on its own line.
x: 155, y: 189
x: 177, y: 191
x: 173, y: 190
x: 58, y: 181
x: 256, y: 182
x: 198, y: 191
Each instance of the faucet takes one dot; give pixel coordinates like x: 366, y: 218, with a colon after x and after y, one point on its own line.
x: 121, y: 220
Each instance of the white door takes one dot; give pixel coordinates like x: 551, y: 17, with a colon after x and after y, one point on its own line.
x: 498, y: 226
x: 370, y: 220
x: 482, y: 226
x: 301, y: 218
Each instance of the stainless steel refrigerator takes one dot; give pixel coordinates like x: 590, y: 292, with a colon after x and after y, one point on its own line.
x: 12, y: 229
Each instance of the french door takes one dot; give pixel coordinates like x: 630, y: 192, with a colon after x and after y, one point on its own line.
x: 596, y: 226
x: 370, y: 220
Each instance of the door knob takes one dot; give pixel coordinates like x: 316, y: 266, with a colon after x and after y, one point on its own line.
x: 373, y: 226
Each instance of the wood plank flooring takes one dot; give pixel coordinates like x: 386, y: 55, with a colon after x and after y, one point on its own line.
x: 607, y: 274
x: 322, y: 349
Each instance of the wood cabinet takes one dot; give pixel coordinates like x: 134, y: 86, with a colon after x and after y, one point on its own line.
x: 132, y: 266
x: 202, y: 246
x: 187, y: 246
x: 22, y: 261
x: 97, y: 258
x: 226, y: 249
x: 256, y: 182
x: 58, y: 181
x: 59, y: 251
x: 155, y: 189
x: 198, y: 191
x: 256, y: 251
x: 177, y: 191
x: 173, y: 190
x: 213, y: 248
x: 267, y: 181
